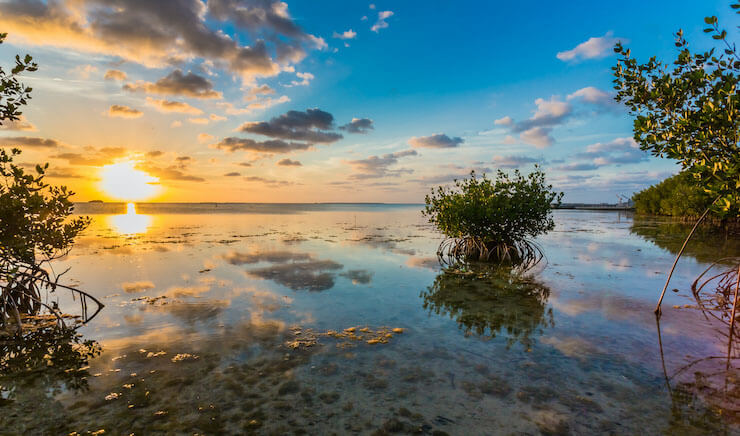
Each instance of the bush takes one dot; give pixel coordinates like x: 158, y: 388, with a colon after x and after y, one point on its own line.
x: 487, y: 219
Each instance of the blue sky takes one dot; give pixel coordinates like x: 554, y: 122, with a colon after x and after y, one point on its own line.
x: 431, y: 80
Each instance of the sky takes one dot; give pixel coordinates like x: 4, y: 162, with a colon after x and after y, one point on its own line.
x: 334, y: 101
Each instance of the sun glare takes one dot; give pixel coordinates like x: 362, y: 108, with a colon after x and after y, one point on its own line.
x: 124, y: 182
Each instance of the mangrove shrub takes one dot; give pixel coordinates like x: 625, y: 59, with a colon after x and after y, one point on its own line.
x: 486, y: 219
x: 35, y: 221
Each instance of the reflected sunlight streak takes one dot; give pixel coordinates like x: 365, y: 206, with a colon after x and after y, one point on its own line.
x: 130, y: 222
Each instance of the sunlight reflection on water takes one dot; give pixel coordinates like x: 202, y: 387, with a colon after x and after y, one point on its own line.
x: 131, y: 222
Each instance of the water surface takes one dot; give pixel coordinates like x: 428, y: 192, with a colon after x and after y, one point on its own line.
x: 279, y: 319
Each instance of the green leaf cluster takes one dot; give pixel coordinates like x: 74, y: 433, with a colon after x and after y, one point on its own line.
x: 13, y: 93
x: 689, y: 110
x: 508, y: 210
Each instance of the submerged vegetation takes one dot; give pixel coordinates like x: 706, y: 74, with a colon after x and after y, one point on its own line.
x: 493, y: 220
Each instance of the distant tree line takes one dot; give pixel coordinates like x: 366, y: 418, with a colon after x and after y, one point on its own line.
x: 676, y: 196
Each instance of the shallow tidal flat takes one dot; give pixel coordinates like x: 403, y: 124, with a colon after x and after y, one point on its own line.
x: 320, y: 319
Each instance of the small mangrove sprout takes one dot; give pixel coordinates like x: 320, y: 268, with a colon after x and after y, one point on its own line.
x: 493, y: 220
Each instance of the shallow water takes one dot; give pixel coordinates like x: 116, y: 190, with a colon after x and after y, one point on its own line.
x: 278, y: 319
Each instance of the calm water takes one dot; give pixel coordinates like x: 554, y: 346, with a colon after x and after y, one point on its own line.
x: 224, y: 319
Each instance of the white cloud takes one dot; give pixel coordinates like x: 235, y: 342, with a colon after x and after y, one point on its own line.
x: 537, y: 136
x: 595, y: 47
x: 306, y: 79
x: 592, y: 95
x: 381, y: 23
x: 505, y: 121
x: 347, y: 34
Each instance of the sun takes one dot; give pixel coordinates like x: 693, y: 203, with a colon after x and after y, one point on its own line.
x: 124, y: 182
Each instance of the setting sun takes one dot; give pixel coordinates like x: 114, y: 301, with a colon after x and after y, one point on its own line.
x: 124, y: 182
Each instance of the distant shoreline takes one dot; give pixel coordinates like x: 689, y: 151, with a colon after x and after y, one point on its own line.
x: 566, y: 206
x: 246, y: 202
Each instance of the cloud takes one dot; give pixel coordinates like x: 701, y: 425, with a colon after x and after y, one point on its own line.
x: 381, y: 23
x: 378, y: 166
x: 593, y: 95
x: 172, y: 172
x: 538, y: 136
x: 306, y: 79
x: 289, y: 163
x: 358, y: 125
x: 21, y: 124
x: 176, y: 124
x: 216, y: 118
x: 505, y: 121
x: 200, y: 120
x: 438, y: 140
x: 173, y: 106
x: 513, y: 161
x: 152, y: 33
x: 121, y: 111
x: 27, y: 141
x: 347, y: 34
x: 269, y: 182
x: 205, y: 137
x: 259, y: 90
x: 595, y: 47
x: 256, y: 103
x: 549, y: 113
x: 232, y: 174
x: 84, y: 71
x: 92, y: 156
x: 616, y: 152
x: 154, y: 153
x: 624, y: 181
x: 270, y: 146
x: 64, y: 173
x: 115, y: 75
x: 309, y: 126
x: 577, y: 166
x: 536, y: 129
x: 177, y: 83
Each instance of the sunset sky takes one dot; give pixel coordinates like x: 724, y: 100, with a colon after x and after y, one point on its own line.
x: 319, y: 101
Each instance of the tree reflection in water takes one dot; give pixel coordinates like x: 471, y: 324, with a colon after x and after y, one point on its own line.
x: 708, y: 244
x: 52, y: 359
x: 705, y: 393
x: 487, y: 300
